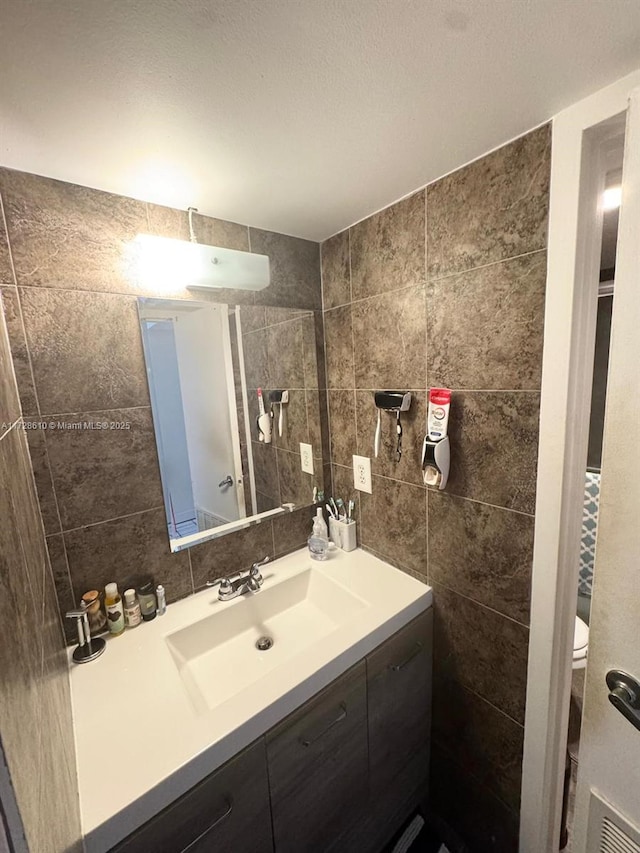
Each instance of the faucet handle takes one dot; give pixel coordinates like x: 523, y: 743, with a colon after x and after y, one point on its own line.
x: 225, y: 584
x: 255, y: 568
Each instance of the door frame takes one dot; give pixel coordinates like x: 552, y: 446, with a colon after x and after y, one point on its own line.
x: 579, y: 134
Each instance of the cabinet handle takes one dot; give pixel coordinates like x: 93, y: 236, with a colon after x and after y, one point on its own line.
x: 341, y: 716
x: 217, y: 821
x: 396, y: 667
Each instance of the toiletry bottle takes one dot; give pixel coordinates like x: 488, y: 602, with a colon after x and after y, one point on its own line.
x: 147, y: 599
x: 132, y: 614
x: 115, y: 611
x: 97, y: 619
x: 319, y: 540
x: 162, y: 600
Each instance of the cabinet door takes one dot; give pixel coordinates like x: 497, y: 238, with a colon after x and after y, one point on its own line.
x: 227, y: 811
x: 318, y: 772
x: 399, y: 699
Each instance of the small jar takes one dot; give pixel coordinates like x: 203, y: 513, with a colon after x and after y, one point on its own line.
x: 132, y: 614
x: 97, y: 617
x: 147, y: 599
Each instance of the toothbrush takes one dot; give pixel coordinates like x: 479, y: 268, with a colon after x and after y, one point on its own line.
x: 350, y: 509
x: 376, y: 440
x: 341, y: 508
x: 330, y: 511
x: 334, y: 507
x: 260, y: 414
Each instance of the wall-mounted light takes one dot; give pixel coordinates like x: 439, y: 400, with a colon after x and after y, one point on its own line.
x: 165, y: 261
x: 611, y: 198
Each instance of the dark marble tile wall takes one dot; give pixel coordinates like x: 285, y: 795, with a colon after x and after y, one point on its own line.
x: 281, y: 353
x: 36, y: 734
x: 447, y: 288
x: 69, y: 285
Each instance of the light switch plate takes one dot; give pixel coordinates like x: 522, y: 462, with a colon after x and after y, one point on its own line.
x: 362, y: 473
x: 306, y: 457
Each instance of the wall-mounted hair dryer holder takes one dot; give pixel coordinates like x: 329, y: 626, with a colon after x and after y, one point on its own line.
x: 436, y: 457
x: 391, y: 401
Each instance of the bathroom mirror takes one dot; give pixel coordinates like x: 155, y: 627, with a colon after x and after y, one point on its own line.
x: 234, y: 393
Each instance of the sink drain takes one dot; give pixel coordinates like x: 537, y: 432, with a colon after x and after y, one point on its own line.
x: 264, y: 643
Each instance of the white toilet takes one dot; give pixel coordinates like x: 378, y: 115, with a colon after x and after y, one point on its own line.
x: 580, y: 644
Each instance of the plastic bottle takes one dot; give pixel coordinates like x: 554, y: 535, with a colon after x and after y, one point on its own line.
x: 114, y: 608
x: 162, y: 600
x: 319, y: 540
x: 147, y: 599
x: 132, y: 614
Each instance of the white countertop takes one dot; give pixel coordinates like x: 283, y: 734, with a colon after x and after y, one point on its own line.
x: 141, y: 743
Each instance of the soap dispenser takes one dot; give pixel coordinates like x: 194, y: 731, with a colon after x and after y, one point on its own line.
x: 319, y: 540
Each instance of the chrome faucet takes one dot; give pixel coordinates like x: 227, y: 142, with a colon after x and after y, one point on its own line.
x: 240, y: 582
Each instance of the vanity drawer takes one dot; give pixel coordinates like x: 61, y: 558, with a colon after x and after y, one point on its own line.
x: 399, y: 704
x: 227, y: 811
x: 318, y: 767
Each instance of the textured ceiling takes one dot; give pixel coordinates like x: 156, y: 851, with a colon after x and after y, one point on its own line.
x: 292, y: 115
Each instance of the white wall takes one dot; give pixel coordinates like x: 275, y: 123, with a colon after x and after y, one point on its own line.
x: 168, y: 421
x: 200, y: 337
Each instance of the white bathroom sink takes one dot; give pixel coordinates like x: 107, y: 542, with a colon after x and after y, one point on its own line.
x: 189, y: 690
x: 217, y: 656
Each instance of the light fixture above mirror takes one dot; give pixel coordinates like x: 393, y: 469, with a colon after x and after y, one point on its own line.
x: 197, y: 266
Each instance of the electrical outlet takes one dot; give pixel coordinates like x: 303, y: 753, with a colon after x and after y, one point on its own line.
x: 306, y: 457
x: 362, y: 473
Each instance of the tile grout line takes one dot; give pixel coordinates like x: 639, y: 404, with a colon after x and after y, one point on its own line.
x: 353, y: 350
x: 457, y: 390
x: 303, y: 312
x: 393, y: 291
x: 481, y: 697
x: 28, y: 449
x: 434, y: 278
x: 396, y: 564
x: 23, y: 327
x: 6, y: 232
x: 93, y: 412
x: 431, y: 490
x: 326, y: 373
x: 139, y: 293
x: 193, y: 586
x: 481, y: 604
x: 109, y: 520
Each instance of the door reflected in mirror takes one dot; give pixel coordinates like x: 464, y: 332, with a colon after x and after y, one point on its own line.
x: 234, y: 391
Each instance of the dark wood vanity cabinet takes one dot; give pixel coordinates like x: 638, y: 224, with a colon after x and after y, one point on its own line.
x: 341, y: 773
x: 318, y: 766
x: 227, y: 811
x: 399, y: 688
